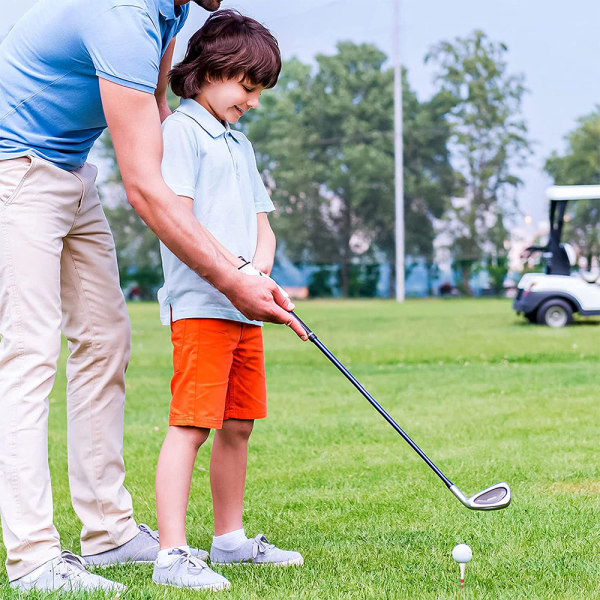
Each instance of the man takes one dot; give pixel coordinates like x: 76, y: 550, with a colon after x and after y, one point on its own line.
x: 68, y: 69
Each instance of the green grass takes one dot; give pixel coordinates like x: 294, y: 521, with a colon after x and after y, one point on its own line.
x: 486, y: 395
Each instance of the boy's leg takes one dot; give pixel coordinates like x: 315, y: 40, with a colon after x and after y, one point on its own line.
x: 202, y: 355
x: 201, y: 359
x: 96, y: 325
x: 246, y: 401
x: 228, y: 463
x: 173, y: 479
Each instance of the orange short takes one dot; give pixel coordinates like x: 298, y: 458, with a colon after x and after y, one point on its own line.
x: 218, y: 372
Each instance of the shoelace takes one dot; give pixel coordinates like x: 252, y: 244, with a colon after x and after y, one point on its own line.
x: 70, y: 565
x: 260, y: 544
x: 190, y: 562
x: 151, y: 532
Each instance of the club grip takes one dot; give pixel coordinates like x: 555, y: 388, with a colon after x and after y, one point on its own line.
x: 304, y: 325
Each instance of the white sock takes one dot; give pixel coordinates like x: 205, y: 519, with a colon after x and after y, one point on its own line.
x: 163, y: 559
x: 230, y: 540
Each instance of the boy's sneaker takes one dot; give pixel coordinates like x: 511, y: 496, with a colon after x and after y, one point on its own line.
x: 256, y: 551
x: 187, y: 571
x: 65, y: 573
x: 142, y: 549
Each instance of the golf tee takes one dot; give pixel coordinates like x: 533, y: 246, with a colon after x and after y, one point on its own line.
x: 462, y: 574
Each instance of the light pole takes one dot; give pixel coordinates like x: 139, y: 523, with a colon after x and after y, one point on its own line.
x: 398, y: 158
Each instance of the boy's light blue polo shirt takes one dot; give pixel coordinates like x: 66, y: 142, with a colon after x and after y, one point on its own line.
x: 50, y: 63
x: 215, y: 166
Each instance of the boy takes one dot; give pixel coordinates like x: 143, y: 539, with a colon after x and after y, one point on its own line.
x: 219, y: 378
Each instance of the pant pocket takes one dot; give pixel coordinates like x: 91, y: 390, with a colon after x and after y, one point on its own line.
x: 13, y: 173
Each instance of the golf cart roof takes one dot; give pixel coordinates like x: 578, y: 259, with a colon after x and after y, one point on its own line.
x: 573, y: 192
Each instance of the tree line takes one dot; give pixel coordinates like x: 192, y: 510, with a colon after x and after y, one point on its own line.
x: 323, y: 138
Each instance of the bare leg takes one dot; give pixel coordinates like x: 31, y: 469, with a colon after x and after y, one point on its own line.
x: 173, y: 479
x: 228, y: 473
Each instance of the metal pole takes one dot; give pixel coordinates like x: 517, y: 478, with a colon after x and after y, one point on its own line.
x: 398, y: 159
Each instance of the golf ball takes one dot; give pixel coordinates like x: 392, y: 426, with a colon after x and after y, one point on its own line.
x: 462, y: 553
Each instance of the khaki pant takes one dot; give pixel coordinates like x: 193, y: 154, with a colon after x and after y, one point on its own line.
x: 58, y: 272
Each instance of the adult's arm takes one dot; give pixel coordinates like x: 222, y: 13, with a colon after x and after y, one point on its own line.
x: 134, y: 124
x: 163, y: 81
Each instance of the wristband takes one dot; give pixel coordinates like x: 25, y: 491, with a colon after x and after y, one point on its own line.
x: 248, y: 269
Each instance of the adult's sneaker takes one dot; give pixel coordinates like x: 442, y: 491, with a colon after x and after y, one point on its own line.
x: 257, y: 551
x: 142, y: 549
x: 65, y: 573
x: 181, y: 569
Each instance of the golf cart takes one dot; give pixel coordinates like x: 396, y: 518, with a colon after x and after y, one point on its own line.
x: 552, y: 297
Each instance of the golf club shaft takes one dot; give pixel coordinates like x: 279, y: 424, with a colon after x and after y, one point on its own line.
x: 317, y: 342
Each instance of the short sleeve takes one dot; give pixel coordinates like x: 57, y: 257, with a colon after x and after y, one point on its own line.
x: 262, y: 200
x: 185, y: 9
x: 180, y: 157
x: 125, y: 47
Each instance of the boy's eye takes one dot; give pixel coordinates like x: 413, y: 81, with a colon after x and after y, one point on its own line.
x: 248, y: 89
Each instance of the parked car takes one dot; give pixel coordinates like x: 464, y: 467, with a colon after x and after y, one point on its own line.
x: 552, y: 297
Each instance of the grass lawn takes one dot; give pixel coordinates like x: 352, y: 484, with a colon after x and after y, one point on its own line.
x: 488, y: 396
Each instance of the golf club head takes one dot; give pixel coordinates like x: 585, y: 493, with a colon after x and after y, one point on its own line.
x: 495, y: 497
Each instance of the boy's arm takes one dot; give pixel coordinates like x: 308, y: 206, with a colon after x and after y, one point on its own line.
x: 163, y: 81
x: 265, y: 245
x: 134, y: 124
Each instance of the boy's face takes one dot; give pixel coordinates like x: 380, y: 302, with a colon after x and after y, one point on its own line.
x: 228, y: 100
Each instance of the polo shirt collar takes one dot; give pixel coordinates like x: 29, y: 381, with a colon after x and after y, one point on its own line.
x: 210, y: 124
x: 167, y: 9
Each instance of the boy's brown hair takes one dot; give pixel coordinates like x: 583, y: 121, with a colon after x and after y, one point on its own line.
x: 228, y: 46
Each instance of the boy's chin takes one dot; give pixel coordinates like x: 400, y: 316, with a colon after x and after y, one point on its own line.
x: 232, y: 119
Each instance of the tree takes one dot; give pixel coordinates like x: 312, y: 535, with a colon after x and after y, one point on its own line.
x: 580, y: 165
x: 488, y: 142
x: 324, y: 142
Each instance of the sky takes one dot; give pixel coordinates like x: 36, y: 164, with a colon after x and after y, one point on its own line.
x: 554, y: 44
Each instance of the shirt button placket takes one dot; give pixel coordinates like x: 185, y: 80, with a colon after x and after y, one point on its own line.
x: 228, y: 141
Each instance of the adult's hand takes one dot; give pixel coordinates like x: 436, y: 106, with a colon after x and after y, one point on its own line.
x: 261, y: 299
x: 134, y: 123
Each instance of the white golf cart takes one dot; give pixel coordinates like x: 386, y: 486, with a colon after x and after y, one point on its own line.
x: 552, y: 297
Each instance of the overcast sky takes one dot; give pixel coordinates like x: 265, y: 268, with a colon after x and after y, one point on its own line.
x: 555, y: 44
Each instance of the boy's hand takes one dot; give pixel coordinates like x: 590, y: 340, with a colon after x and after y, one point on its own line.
x: 262, y: 264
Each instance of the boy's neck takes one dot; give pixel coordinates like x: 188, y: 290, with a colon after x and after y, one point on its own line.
x: 204, y: 104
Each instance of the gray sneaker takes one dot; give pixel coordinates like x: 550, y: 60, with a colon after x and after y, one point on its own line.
x: 142, y: 549
x: 256, y: 551
x: 65, y: 573
x: 187, y: 571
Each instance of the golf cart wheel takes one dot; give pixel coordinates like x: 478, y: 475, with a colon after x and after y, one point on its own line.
x: 555, y: 313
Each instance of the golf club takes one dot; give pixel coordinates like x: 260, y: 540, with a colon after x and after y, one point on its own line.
x: 495, y: 497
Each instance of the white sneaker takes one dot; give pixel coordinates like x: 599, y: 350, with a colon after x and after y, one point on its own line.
x: 256, y: 551
x: 142, y: 549
x: 187, y: 571
x: 67, y: 573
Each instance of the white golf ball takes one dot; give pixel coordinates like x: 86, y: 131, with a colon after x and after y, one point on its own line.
x: 462, y: 553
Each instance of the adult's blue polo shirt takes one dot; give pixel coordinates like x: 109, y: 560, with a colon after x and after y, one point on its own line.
x: 50, y: 63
